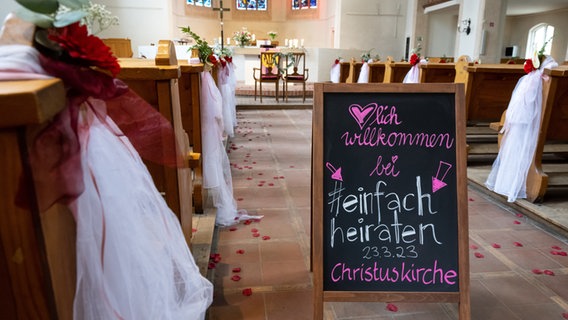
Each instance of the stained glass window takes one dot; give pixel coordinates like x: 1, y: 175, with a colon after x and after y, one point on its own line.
x: 252, y: 4
x: 200, y: 3
x: 304, y: 4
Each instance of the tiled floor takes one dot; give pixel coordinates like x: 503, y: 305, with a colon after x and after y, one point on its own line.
x: 517, y: 270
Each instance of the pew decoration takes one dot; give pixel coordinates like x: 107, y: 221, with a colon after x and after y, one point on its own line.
x: 508, y: 174
x: 413, y: 75
x: 206, y: 54
x: 366, y: 58
x: 218, y: 119
x: 227, y: 84
x: 94, y: 146
x: 335, y: 71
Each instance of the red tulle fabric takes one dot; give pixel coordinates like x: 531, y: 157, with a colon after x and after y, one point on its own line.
x: 55, y: 153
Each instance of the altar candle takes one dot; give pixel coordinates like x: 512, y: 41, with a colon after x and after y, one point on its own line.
x: 228, y: 40
x: 253, y: 37
x: 285, y: 42
x: 302, y: 42
x: 219, y: 40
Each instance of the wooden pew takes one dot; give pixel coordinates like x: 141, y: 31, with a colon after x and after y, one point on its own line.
x: 437, y: 72
x: 377, y: 72
x: 157, y: 82
x: 553, y: 134
x: 189, y: 94
x: 354, y: 71
x: 395, y: 71
x: 488, y: 89
x: 344, y: 71
x: 120, y: 47
x: 37, y: 264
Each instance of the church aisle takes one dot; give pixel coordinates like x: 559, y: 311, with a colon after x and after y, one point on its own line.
x: 261, y: 269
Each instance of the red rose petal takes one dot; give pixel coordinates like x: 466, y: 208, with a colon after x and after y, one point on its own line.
x: 217, y: 259
x: 562, y: 253
x: 536, y: 271
x: 236, y: 278
x: 496, y: 245
x: 471, y: 199
x: 548, y: 272
x: 519, y: 215
x: 254, y: 230
x: 556, y: 248
x: 256, y: 234
x: 265, y: 237
x: 247, y: 222
x: 473, y: 246
x: 211, y: 265
x: 236, y: 270
x: 516, y: 222
x: 193, y: 230
x: 479, y: 255
x: 517, y: 244
x: 247, y: 292
x: 233, y: 229
x: 565, y: 315
x: 240, y: 251
x: 391, y: 307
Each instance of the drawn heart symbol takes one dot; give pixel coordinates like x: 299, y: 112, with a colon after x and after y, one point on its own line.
x: 360, y: 114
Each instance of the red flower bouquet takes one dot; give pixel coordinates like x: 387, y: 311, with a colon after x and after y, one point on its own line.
x: 83, y: 48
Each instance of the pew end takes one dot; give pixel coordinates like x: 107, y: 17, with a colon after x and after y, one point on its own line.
x: 39, y: 260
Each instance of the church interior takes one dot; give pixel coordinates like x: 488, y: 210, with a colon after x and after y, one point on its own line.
x: 193, y: 173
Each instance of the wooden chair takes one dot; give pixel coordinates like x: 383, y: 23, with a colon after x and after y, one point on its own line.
x: 269, y: 71
x: 295, y: 72
x: 120, y: 47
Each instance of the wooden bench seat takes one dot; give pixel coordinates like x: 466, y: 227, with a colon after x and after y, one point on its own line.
x: 377, y: 71
x: 553, y: 136
x: 37, y: 264
x: 437, y: 72
x: 395, y: 71
x: 488, y: 90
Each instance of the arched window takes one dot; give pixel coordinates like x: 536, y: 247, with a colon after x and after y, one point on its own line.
x: 304, y: 4
x: 200, y: 3
x: 259, y: 5
x: 539, y: 36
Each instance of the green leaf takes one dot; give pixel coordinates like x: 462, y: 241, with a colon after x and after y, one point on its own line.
x: 40, y: 6
x: 40, y: 20
x: 74, y: 4
x: 68, y: 18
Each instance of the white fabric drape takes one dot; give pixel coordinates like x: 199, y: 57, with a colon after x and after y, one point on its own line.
x: 364, y: 73
x: 132, y: 258
x: 335, y: 73
x: 520, y: 133
x: 217, y: 177
x: 227, y: 90
x: 413, y: 75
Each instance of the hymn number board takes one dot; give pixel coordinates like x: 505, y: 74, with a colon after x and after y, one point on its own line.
x: 390, y: 194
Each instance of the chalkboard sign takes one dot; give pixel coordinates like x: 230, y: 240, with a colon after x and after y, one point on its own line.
x: 389, y: 202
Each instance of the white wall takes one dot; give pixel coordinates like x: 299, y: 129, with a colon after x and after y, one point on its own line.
x: 517, y: 28
x: 469, y: 44
x: 442, y: 33
x: 378, y: 25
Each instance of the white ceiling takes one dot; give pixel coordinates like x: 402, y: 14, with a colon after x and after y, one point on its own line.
x: 519, y: 7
